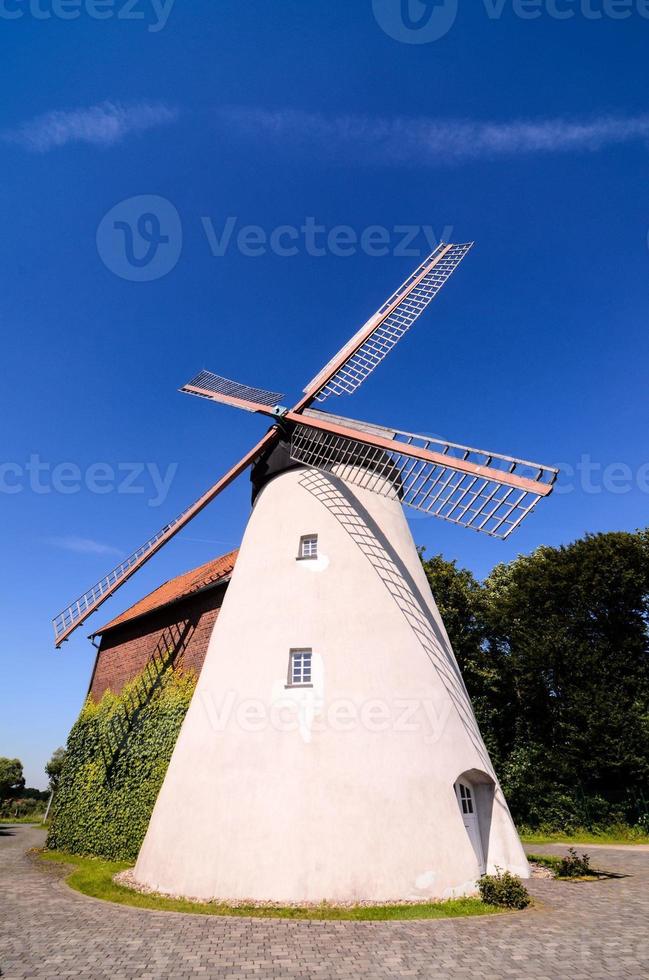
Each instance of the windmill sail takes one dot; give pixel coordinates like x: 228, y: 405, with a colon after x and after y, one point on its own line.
x: 208, y: 385
x: 77, y: 612
x: 374, y: 341
x: 473, y: 488
x: 367, y: 427
x: 482, y: 490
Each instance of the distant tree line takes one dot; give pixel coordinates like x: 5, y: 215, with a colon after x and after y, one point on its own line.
x: 18, y: 800
x: 554, y: 648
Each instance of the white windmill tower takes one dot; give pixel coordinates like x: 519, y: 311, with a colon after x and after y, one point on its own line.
x: 330, y: 751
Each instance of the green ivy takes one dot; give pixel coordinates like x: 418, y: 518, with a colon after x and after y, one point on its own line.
x: 117, y: 756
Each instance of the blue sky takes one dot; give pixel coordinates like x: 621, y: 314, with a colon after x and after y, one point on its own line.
x: 528, y: 135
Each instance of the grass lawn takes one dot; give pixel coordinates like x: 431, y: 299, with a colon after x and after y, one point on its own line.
x: 94, y: 877
x: 615, y: 835
x: 36, y: 819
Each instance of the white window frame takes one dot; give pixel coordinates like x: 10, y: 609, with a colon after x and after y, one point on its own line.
x: 308, y: 548
x: 303, y: 676
x: 466, y: 800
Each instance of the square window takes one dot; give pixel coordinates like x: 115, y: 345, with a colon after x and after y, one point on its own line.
x: 308, y: 547
x: 299, y: 668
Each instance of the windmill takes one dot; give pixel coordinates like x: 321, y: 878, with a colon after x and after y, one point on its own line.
x: 329, y: 606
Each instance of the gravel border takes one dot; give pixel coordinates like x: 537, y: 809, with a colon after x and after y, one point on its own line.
x: 126, y: 879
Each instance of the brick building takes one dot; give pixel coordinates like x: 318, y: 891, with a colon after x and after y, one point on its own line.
x: 171, y: 625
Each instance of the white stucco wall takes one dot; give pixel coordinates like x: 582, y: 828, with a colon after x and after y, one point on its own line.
x: 343, y: 792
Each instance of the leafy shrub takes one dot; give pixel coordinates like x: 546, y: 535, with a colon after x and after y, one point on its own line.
x: 532, y: 785
x: 643, y: 824
x: 116, y: 759
x: 574, y: 866
x: 22, y: 807
x: 504, y: 889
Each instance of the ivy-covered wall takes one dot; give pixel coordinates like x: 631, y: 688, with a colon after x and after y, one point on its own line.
x: 117, y: 756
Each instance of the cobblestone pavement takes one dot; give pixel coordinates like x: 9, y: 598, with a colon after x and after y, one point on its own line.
x: 589, y: 930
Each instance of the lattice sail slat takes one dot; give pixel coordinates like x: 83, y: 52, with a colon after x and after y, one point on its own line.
x: 209, y: 385
x: 77, y: 612
x: 493, y: 494
x: 369, y: 428
x: 363, y: 354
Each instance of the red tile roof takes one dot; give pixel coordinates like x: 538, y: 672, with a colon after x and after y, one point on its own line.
x: 177, y: 588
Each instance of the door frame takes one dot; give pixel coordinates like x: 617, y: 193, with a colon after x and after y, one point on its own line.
x: 467, y: 800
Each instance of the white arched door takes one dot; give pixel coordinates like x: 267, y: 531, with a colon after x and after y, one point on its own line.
x: 467, y: 803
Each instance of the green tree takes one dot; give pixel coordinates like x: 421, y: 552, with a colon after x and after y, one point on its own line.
x: 569, y: 627
x: 459, y: 598
x: 11, y: 778
x: 54, y: 767
x: 461, y: 602
x: 554, y: 649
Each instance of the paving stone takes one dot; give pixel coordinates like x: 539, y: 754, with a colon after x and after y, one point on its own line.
x: 595, y: 930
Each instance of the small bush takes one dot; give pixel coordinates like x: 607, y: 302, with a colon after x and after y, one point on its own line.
x: 574, y: 866
x: 642, y: 826
x: 504, y: 889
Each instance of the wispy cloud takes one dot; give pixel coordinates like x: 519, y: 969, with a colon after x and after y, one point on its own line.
x: 100, y: 125
x: 85, y: 546
x: 426, y: 140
